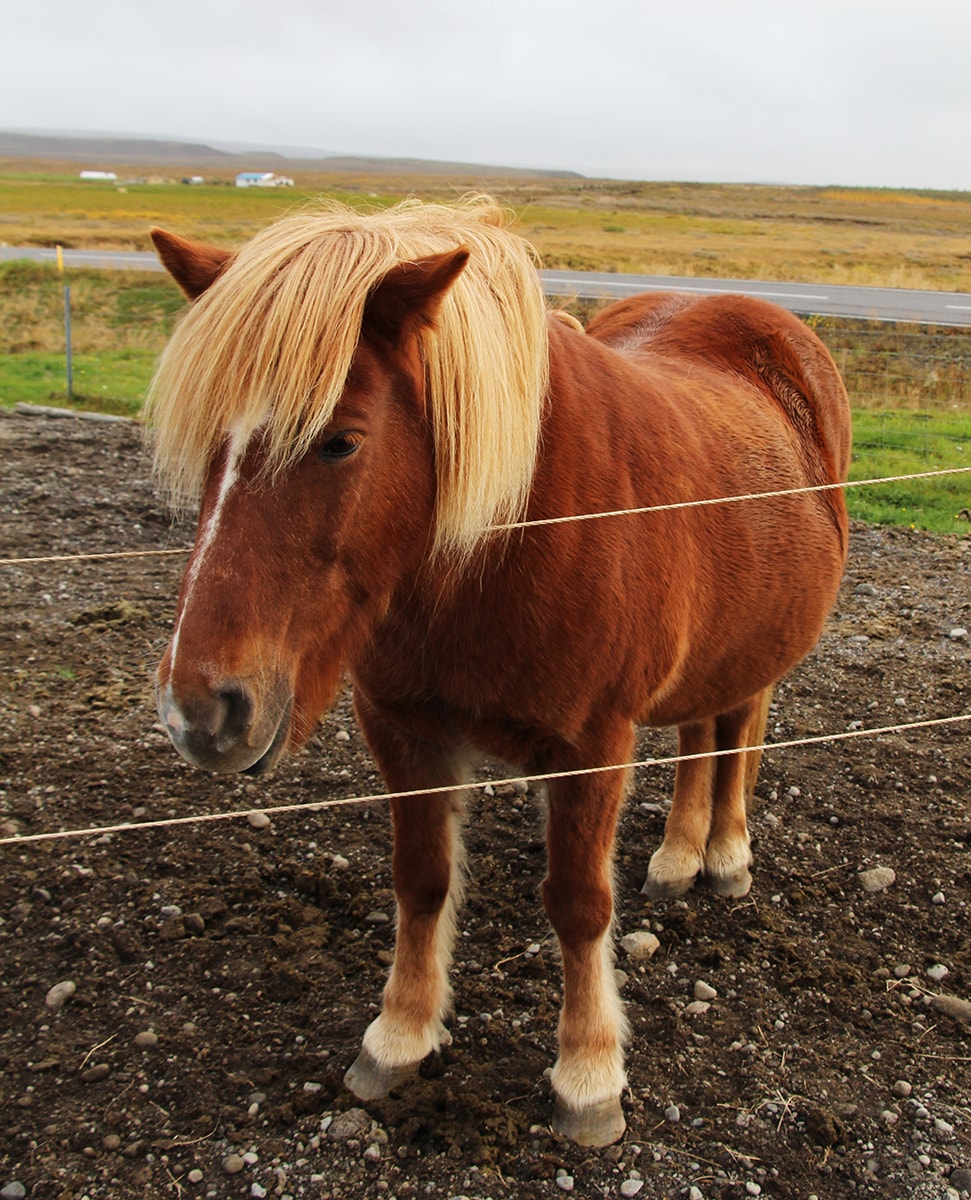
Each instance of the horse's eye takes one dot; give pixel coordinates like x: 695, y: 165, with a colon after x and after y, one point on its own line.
x: 341, y: 445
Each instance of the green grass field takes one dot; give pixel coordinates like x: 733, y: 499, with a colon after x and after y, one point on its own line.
x: 887, y: 444
x: 110, y: 381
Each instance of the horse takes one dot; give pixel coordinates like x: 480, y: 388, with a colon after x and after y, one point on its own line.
x: 384, y: 426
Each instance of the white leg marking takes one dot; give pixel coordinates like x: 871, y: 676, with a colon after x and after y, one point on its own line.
x: 392, y: 1041
x: 587, y: 1077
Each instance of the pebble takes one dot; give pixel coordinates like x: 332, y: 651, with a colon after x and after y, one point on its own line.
x: 752, y: 1188
x: 257, y: 1191
x: 937, y: 972
x: 672, y: 1113
x: 59, y: 994
x: 958, y: 634
x: 630, y: 1187
x: 377, y: 918
x: 640, y: 945
x: 111, y: 1142
x: 14, y: 1190
x: 960, y: 1179
x: 34, y: 710
x: 195, y: 1176
x: 342, y: 736
x: 96, y: 1073
x: 877, y: 879
x: 697, y: 1008
x: 864, y: 589
x: 146, y: 1039
x: 902, y: 1088
x: 695, y: 1194
x: 258, y: 820
x: 233, y: 1164
x: 354, y: 1123
x: 953, y: 1006
x: 564, y: 1181
x: 938, y: 898
x: 194, y: 924
x: 902, y: 970
x: 704, y: 991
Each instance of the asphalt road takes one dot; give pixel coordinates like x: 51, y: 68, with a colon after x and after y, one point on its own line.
x: 874, y: 304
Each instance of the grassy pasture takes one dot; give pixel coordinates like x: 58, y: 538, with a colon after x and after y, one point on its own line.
x: 828, y: 235
x: 910, y: 387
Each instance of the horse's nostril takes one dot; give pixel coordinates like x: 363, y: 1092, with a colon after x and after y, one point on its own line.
x: 237, y: 713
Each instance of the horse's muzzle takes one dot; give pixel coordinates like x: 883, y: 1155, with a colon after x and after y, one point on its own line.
x: 227, y: 729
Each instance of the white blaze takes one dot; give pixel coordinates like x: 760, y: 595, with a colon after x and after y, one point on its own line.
x: 204, y: 543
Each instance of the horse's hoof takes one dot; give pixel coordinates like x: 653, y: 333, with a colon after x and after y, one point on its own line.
x: 666, y: 889
x: 732, y: 887
x: 599, y: 1125
x: 368, y: 1080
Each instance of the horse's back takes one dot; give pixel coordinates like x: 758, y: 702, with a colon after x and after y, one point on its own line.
x: 764, y: 344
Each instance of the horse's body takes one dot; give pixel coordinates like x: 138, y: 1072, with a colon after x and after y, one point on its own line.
x: 541, y: 645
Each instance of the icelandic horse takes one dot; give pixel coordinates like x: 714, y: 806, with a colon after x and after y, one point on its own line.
x: 370, y: 410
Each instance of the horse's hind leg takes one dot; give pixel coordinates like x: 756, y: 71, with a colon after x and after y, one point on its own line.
x: 728, y: 856
x: 681, y: 856
x: 427, y: 871
x: 577, y: 895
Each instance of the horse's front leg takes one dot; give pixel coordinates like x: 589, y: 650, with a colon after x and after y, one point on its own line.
x: 427, y: 872
x: 578, y: 898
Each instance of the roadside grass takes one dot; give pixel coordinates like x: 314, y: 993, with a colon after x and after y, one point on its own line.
x: 110, y: 310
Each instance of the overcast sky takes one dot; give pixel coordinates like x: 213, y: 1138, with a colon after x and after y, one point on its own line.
x: 874, y: 92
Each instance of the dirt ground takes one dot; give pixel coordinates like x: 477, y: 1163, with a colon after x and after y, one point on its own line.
x: 223, y: 973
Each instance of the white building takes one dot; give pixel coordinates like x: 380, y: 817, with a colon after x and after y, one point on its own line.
x: 262, y: 179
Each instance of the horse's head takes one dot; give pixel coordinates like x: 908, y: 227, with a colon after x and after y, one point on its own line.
x: 296, y: 559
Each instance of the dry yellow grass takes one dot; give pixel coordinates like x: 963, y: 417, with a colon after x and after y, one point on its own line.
x: 826, y: 235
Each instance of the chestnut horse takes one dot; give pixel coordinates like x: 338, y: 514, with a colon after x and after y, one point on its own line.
x: 371, y: 408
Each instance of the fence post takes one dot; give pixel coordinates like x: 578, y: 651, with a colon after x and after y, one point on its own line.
x: 67, y: 339
x: 67, y: 325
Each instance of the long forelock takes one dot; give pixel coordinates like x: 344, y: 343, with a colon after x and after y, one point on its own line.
x: 269, y: 346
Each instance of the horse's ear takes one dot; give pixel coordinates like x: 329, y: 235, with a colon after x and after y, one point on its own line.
x: 411, y: 293
x: 193, y: 265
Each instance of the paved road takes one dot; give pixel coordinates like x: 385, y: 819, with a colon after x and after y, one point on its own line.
x: 102, y: 260
x: 875, y: 304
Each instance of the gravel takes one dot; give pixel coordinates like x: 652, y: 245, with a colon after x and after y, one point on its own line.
x: 266, y: 978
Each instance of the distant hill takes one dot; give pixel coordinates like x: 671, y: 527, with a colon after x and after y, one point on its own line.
x: 107, y: 152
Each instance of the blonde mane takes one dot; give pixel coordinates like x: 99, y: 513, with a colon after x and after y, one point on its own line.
x: 269, y: 345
